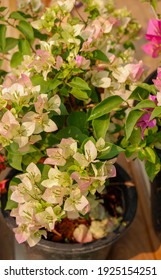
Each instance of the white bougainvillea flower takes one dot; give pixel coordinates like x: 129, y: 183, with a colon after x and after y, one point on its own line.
x: 57, y: 178
x: 53, y: 104
x: 82, y: 234
x: 26, y: 130
x: 90, y: 151
x: 35, y: 4
x: 76, y: 202
x: 17, y: 195
x: 87, y: 45
x: 49, y: 216
x: 100, y: 79
x: 19, y: 94
x: 90, y: 154
x: 69, y: 147
x: 54, y: 195
x: 36, y: 236
x: 34, y: 171
x: 42, y: 122
x: 9, y: 125
x: 83, y: 181
x: 22, y: 233
x: 43, y: 103
x: 55, y: 157
x: 58, y: 156
x: 66, y: 5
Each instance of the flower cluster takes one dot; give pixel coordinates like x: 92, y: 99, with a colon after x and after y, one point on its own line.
x: 67, y: 189
x: 63, y: 104
x: 144, y: 120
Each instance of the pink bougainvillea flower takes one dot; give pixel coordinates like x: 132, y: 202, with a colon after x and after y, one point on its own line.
x: 136, y: 70
x: 154, y: 36
x: 82, y: 62
x: 145, y: 122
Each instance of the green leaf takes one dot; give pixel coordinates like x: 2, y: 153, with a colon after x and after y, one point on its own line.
x: 131, y: 121
x: 3, y: 30
x: 15, y: 161
x: 26, y: 28
x: 44, y: 168
x: 1, y: 62
x: 10, y: 203
x: 150, y: 154
x: 100, y: 126
x: 145, y: 104
x: 105, y: 106
x: 99, y: 55
x: 156, y: 112
x: 16, y: 59
x: 79, y: 94
x: 111, y: 153
x: 17, y: 15
x: 73, y: 132
x: 152, y: 169
x: 79, y: 83
x: 78, y: 119
x: 142, y: 91
x: 24, y: 47
x: 2, y: 9
x: 10, y: 43
x: 46, y: 86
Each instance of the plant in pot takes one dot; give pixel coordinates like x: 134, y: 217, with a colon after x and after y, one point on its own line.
x: 63, y: 106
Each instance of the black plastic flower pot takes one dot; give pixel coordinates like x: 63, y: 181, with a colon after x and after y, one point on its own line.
x: 95, y: 250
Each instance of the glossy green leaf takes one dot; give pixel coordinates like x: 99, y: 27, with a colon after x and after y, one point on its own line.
x: 100, y: 126
x: 156, y: 112
x: 78, y: 119
x: 73, y: 132
x: 2, y: 9
x: 106, y: 106
x: 16, y: 59
x: 46, y: 86
x: 150, y: 154
x: 152, y: 169
x: 15, y: 161
x: 79, y: 94
x: 11, y: 43
x: 145, y: 104
x: 17, y: 15
x: 24, y: 47
x: 99, y: 55
x: 79, y: 83
x: 26, y: 28
x: 131, y: 121
x: 142, y: 91
x: 3, y: 30
x: 111, y: 153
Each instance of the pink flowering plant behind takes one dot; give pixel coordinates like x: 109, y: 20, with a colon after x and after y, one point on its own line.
x: 63, y: 105
x: 142, y: 125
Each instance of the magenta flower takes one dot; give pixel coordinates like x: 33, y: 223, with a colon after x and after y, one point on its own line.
x: 154, y: 36
x: 144, y: 122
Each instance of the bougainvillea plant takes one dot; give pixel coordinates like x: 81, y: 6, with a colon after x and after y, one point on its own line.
x: 142, y: 125
x: 63, y: 105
